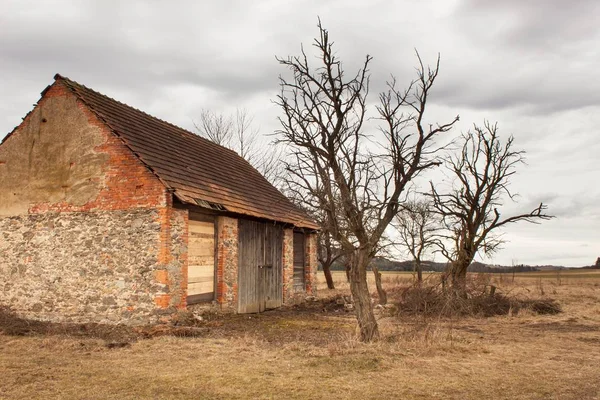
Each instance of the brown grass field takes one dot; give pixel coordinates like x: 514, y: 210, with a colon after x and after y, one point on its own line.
x: 309, y: 351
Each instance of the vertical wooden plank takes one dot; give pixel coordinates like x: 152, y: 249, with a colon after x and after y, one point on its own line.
x: 260, y: 287
x: 262, y: 270
x: 201, y: 261
x: 279, y: 261
x: 247, y: 248
x: 275, y: 293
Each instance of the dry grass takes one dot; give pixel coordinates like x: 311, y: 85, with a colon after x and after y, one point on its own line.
x: 309, y: 351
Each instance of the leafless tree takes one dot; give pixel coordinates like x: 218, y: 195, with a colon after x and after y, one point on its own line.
x: 358, y: 181
x: 418, y: 228
x: 237, y: 133
x: 481, y: 174
x: 308, y: 196
x: 328, y: 253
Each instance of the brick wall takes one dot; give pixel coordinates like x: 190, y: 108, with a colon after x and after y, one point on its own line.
x: 172, y: 269
x: 124, y: 182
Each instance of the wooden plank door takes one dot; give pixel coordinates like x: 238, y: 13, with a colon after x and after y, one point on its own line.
x: 250, y: 253
x: 272, y: 284
x: 260, y: 283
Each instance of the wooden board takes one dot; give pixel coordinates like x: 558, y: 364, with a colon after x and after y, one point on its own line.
x: 201, y: 261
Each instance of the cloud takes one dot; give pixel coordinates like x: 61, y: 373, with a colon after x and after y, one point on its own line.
x: 531, y: 65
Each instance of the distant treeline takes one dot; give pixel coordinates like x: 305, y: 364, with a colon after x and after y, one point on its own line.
x: 384, y: 264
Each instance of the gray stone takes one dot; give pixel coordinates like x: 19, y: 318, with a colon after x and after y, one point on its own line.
x: 86, y: 266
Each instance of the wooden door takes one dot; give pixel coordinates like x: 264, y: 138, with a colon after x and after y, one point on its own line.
x: 259, y: 266
x: 272, y: 289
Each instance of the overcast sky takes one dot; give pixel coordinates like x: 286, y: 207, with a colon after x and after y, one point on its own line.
x: 533, y: 66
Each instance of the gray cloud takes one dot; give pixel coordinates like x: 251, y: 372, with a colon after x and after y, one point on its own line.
x: 531, y: 65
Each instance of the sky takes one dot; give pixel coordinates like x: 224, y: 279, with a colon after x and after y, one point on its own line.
x: 532, y: 66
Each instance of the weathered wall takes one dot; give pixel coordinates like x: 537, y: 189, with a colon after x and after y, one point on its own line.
x: 82, y: 266
x: 87, y: 232
x: 71, y: 162
x: 311, y: 264
x: 288, y: 264
x: 227, y: 262
x: 171, y: 272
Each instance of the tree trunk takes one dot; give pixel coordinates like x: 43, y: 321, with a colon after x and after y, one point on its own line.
x: 458, y: 276
x: 361, y: 297
x: 380, y: 292
x: 348, y: 267
x: 328, y: 277
x: 419, y: 271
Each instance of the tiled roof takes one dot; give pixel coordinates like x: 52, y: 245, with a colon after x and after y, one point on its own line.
x: 197, y: 170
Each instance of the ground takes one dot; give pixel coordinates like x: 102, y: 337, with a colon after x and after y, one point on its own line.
x: 310, y: 351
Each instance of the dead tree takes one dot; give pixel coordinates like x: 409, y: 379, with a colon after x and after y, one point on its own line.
x: 308, y: 196
x: 236, y: 132
x: 470, y: 210
x: 328, y: 253
x: 360, y: 181
x: 418, y: 227
x: 381, y: 293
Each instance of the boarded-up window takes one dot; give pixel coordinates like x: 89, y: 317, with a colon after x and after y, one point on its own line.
x: 298, y: 261
x: 201, y: 261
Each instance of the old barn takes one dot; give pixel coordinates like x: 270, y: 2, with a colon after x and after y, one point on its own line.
x: 108, y: 214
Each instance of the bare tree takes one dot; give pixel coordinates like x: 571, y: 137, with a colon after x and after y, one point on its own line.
x: 482, y: 171
x: 237, y: 133
x: 308, y: 197
x: 356, y: 181
x: 218, y: 128
x: 328, y: 253
x: 418, y: 228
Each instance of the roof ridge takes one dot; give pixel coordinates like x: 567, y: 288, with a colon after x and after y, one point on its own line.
x: 58, y: 76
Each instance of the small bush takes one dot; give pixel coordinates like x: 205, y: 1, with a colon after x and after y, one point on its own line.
x: 432, y: 301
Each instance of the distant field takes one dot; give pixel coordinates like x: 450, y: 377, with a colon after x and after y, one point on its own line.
x: 569, y: 273
x: 405, y: 278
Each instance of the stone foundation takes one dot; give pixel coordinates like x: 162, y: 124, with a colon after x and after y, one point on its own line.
x: 227, y: 263
x: 100, y: 267
x: 310, y: 269
x: 288, y: 265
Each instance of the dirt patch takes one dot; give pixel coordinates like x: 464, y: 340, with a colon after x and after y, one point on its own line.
x: 115, y: 335
x: 313, y: 321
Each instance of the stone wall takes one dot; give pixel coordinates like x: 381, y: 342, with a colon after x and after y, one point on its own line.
x: 227, y: 263
x: 288, y: 265
x: 88, y: 267
x: 310, y: 269
x: 171, y: 273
